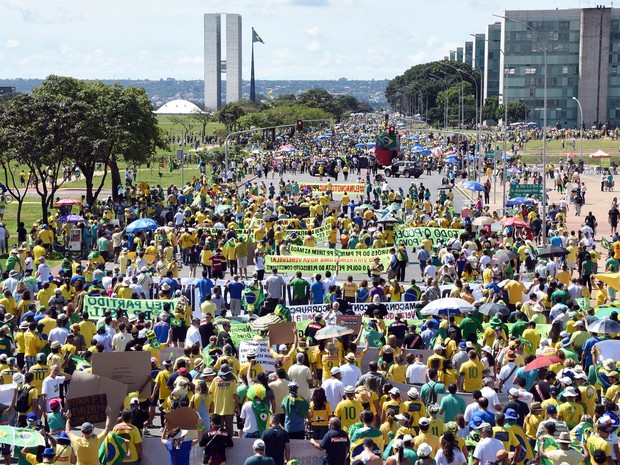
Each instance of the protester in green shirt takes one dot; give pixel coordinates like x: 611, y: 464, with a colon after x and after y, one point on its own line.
x: 451, y: 404
x: 301, y: 288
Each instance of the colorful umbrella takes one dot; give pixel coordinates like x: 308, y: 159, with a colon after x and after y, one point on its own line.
x: 542, y: 361
x: 513, y: 221
x: 332, y: 331
x: 67, y: 202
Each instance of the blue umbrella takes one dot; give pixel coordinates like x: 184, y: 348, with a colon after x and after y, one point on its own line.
x: 417, y: 147
x: 360, y: 146
x: 370, y: 144
x: 473, y: 186
x: 426, y: 152
x: 518, y: 201
x: 143, y: 224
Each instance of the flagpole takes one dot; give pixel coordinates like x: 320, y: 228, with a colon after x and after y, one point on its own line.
x: 252, y: 83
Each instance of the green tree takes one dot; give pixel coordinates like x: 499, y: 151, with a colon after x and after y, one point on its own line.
x: 490, y: 108
x: 229, y: 114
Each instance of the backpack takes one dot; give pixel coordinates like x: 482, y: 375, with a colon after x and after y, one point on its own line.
x: 22, y: 404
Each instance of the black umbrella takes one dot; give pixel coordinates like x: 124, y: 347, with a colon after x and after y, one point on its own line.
x: 552, y: 251
x: 604, y: 326
x: 505, y: 255
x: 492, y: 309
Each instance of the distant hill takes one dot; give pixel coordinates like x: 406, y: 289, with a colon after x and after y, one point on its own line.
x: 164, y: 90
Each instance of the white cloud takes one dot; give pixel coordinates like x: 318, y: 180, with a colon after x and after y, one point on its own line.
x: 313, y: 46
x: 419, y: 58
x: 188, y: 59
x: 12, y: 43
x: 313, y: 31
x: 433, y: 41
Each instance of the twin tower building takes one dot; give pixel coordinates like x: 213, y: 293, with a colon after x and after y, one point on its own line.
x: 215, y: 66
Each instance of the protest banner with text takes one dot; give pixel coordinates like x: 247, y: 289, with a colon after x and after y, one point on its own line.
x: 325, y: 252
x: 352, y: 188
x: 413, y: 237
x: 344, y: 265
x: 96, y: 306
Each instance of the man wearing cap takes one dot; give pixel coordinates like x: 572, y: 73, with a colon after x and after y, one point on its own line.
x: 48, y: 455
x: 349, y: 409
x: 350, y: 372
x: 425, y: 437
x: 598, y: 442
x: 295, y: 410
x: 505, y: 435
x: 565, y: 454
x: 301, y: 374
x: 86, y: 445
x: 333, y: 387
x: 570, y: 411
x: 223, y: 391
x: 284, y: 354
x: 551, y: 416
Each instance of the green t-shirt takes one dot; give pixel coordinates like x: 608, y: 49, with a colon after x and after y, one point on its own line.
x: 519, y: 327
x: 300, y: 287
x: 587, y: 267
x: 612, y: 265
x: 452, y: 405
x: 563, y: 295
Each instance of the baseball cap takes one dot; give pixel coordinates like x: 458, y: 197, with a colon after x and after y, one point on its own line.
x: 32, y: 417
x: 349, y: 390
x: 424, y: 421
x: 511, y: 414
x: 551, y: 409
x: 395, y: 391
x: 335, y: 371
x: 259, y: 444
x: 87, y: 427
x: 134, y: 400
x: 282, y: 347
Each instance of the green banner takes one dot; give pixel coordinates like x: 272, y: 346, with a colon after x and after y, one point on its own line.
x: 412, y: 237
x: 324, y: 252
x: 96, y: 306
x: 21, y: 437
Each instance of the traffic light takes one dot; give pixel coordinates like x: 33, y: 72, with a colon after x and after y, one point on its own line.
x: 392, y: 131
x: 300, y: 125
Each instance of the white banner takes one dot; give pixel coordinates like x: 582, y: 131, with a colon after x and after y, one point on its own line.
x: 263, y: 358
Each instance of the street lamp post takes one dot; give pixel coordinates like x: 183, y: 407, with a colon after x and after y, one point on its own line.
x: 445, y: 107
x: 580, y: 128
x: 544, y: 154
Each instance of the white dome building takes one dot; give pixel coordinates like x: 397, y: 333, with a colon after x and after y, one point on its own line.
x: 178, y: 107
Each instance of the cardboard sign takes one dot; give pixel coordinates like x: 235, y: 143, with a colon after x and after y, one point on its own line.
x: 350, y: 321
x: 282, y: 333
x: 263, y: 358
x: 183, y: 417
x: 86, y: 384
x: 130, y: 368
x: 88, y: 408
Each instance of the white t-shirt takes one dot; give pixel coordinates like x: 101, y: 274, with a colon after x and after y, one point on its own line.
x: 249, y: 419
x: 458, y: 458
x: 300, y: 374
x: 487, y: 449
x: 334, y: 390
x: 51, y: 389
x: 350, y: 374
x: 192, y: 336
x: 416, y: 373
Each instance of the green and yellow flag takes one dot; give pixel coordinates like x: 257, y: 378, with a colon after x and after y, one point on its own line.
x: 21, y: 437
x: 256, y: 37
x: 112, y: 450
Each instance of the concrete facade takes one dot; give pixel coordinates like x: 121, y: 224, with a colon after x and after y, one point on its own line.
x: 213, y: 61
x: 233, y: 57
x: 213, y: 65
x: 594, y: 63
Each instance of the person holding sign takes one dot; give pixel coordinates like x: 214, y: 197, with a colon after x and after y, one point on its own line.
x: 86, y: 445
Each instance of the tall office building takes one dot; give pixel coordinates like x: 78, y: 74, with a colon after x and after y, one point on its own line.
x: 492, y: 64
x: 468, y: 57
x: 213, y: 64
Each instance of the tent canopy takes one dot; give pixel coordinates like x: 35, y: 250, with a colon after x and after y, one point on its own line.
x: 178, y: 107
x: 599, y: 154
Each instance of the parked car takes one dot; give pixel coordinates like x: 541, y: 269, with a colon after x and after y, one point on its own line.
x: 404, y: 168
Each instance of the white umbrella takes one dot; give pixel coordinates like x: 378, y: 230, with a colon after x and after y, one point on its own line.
x: 447, y: 306
x: 483, y: 221
x: 608, y: 349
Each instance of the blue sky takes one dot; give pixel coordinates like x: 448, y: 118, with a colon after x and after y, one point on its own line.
x: 304, y: 39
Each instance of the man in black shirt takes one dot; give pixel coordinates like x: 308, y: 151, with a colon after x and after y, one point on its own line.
x: 412, y: 339
x: 206, y: 329
x: 277, y: 442
x: 335, y: 443
x: 398, y: 328
x: 313, y: 327
x: 376, y: 305
x: 216, y: 441
x: 613, y: 219
x: 518, y: 406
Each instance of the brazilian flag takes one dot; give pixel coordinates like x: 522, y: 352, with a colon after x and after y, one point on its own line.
x: 360, y: 435
x: 526, y: 448
x: 253, y: 298
x: 547, y: 444
x: 261, y: 413
x: 606, y: 244
x: 112, y: 450
x: 283, y: 312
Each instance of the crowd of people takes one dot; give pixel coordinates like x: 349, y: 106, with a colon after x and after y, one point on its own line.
x: 522, y: 383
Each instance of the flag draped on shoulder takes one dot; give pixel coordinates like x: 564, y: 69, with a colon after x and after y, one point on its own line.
x: 112, y: 450
x: 256, y: 37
